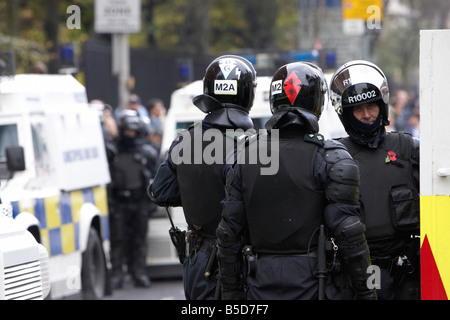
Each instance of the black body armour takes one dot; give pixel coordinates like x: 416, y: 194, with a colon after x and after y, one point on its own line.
x: 284, y: 219
x: 128, y: 172
x: 389, y: 198
x: 202, y: 187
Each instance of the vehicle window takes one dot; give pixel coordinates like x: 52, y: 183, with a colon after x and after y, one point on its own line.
x: 41, y: 154
x: 8, y: 138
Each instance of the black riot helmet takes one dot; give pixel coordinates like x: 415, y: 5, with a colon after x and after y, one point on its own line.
x: 130, y: 120
x: 301, y: 85
x: 231, y: 79
x: 355, y: 83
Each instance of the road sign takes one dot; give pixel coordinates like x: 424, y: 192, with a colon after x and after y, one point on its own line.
x: 360, y: 9
x: 117, y: 16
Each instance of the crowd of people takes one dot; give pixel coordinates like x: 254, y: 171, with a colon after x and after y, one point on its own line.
x: 404, y: 113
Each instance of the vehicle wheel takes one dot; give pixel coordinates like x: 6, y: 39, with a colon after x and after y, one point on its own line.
x: 93, y: 270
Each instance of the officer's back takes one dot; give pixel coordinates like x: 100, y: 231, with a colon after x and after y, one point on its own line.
x: 193, y: 174
x: 316, y: 183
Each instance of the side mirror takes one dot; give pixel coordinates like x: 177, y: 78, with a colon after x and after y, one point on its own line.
x: 15, y: 159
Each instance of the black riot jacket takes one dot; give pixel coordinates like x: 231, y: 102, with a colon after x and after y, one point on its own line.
x: 285, y: 226
x: 199, y: 187
x: 278, y: 214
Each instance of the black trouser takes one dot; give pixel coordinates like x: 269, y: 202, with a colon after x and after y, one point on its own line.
x: 129, y: 226
x: 283, y: 277
x: 397, y: 283
x: 196, y: 285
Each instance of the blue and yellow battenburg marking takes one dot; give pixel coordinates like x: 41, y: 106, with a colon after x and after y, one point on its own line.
x: 60, y: 217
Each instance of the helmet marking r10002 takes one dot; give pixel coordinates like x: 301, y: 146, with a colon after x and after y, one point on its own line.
x: 298, y: 84
x: 358, y: 82
x: 231, y: 79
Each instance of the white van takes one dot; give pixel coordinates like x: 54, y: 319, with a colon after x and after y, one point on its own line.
x: 53, y: 172
x: 181, y: 114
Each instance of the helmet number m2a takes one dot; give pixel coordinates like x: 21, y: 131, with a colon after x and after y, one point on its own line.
x: 277, y: 86
x: 228, y: 87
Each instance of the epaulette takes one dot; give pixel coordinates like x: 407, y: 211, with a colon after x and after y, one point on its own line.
x: 316, y: 138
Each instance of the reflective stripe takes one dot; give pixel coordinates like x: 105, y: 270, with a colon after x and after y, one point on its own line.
x: 59, y: 217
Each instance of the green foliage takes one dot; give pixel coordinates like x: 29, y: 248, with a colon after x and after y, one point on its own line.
x: 206, y: 27
x: 190, y: 26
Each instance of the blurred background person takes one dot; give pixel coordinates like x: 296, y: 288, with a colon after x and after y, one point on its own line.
x: 110, y: 135
x: 109, y: 126
x: 400, y: 110
x: 414, y: 123
x: 133, y: 168
x: 157, y: 113
x: 134, y: 103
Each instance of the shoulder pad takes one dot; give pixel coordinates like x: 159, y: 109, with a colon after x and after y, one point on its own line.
x: 316, y: 138
x: 336, y: 152
x: 333, y: 144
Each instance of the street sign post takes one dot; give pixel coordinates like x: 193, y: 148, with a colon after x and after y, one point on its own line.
x: 120, y: 18
x: 117, y: 16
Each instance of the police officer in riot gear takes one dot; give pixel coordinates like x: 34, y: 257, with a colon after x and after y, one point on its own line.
x: 132, y: 169
x: 229, y: 88
x: 389, y: 166
x: 274, y: 218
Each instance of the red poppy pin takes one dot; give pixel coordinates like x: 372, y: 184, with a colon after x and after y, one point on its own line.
x: 391, y: 156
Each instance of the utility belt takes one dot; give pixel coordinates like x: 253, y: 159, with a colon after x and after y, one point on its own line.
x: 404, y: 261
x: 251, y: 257
x: 196, y: 242
x: 394, y: 264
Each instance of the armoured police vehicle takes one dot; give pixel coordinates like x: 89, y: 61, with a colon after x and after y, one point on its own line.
x: 54, y: 171
x: 23, y: 261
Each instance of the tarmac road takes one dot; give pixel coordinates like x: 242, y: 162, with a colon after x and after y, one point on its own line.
x: 161, y: 289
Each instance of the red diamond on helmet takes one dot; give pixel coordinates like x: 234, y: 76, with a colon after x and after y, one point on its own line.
x: 292, y: 87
